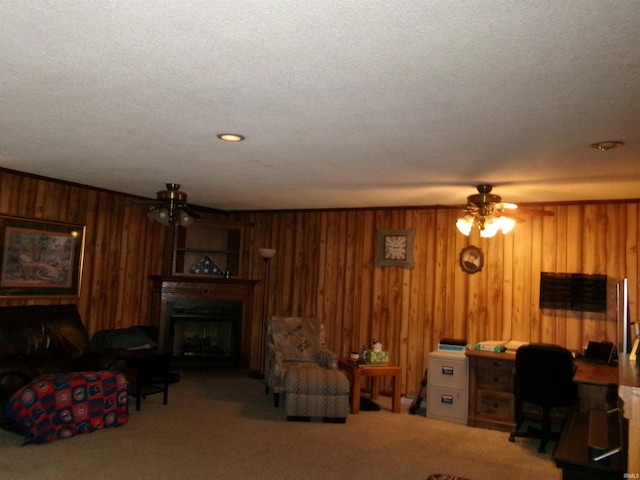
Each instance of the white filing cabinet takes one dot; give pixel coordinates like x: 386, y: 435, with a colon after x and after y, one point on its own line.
x: 448, y: 387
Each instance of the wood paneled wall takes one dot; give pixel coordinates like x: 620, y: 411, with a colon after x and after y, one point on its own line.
x: 122, y: 247
x: 324, y: 267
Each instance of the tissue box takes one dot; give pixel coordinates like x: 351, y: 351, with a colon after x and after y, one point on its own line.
x: 377, y: 357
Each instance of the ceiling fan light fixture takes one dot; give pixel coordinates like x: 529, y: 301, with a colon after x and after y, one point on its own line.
x: 506, y: 224
x: 171, y: 208
x: 230, y: 137
x: 160, y: 215
x: 490, y: 227
x: 163, y: 216
x: 185, y: 218
x: 465, y: 224
x: 608, y: 145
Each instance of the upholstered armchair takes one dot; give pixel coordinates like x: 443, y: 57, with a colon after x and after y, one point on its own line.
x: 294, y: 342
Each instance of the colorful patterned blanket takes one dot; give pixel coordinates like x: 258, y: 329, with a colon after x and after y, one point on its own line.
x: 63, y: 405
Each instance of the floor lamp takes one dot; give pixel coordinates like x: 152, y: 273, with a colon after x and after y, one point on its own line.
x: 266, y: 254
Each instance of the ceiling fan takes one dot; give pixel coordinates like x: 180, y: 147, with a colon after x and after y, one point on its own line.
x: 490, y: 214
x: 171, y: 208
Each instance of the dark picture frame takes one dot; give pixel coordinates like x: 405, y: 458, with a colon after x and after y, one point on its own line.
x: 471, y: 259
x: 40, y: 258
x: 394, y: 248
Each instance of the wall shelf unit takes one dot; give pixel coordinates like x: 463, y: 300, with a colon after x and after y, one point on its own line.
x: 208, y: 248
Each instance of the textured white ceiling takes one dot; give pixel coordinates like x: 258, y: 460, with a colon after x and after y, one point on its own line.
x: 343, y: 104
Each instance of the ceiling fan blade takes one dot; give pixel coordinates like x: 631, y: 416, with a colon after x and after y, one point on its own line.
x: 506, y: 206
x: 514, y: 213
x: 511, y: 215
x: 453, y: 207
x: 208, y: 209
x: 143, y: 202
x: 528, y: 211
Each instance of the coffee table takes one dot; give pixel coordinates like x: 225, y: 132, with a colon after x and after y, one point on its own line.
x: 356, y: 371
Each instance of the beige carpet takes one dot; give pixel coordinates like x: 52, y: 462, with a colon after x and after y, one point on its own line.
x: 227, y: 428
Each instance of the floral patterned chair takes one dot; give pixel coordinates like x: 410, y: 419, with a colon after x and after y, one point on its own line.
x: 316, y: 392
x: 294, y: 342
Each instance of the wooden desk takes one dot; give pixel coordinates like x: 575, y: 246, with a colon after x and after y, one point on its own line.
x: 629, y: 392
x: 572, y: 453
x: 597, y: 386
x: 595, y: 374
x: 357, y: 371
x: 491, y: 402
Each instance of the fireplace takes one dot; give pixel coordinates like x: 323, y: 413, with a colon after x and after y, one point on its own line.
x: 205, y: 335
x: 205, y: 323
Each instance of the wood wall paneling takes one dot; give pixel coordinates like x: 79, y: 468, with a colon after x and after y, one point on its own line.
x: 324, y: 267
x: 409, y: 310
x: 122, y: 248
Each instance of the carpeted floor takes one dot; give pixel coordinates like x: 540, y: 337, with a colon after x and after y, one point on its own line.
x: 227, y: 428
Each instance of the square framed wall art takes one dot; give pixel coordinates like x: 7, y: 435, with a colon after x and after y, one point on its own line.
x: 394, y: 248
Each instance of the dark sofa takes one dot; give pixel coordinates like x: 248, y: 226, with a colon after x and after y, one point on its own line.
x: 41, y: 339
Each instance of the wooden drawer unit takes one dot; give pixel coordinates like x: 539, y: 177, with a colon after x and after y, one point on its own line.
x: 495, y: 379
x: 448, y: 387
x: 494, y: 407
x: 491, y: 402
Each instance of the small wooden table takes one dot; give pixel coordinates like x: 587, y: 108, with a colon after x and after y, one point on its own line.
x: 148, y: 364
x: 356, y: 371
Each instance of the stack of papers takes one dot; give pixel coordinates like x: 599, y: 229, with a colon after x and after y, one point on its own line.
x: 513, y: 345
x: 500, y: 345
x: 491, y: 346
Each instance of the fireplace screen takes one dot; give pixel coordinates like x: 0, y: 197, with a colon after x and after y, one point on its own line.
x: 206, y: 335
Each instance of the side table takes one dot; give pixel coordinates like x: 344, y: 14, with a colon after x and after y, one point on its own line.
x: 356, y: 371
x: 149, y: 374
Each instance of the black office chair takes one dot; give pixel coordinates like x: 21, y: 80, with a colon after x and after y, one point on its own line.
x: 544, y: 377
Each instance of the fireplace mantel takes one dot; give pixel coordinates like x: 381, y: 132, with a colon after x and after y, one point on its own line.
x: 170, y: 289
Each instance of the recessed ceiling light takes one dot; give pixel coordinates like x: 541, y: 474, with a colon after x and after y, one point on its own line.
x: 608, y: 145
x: 230, y: 137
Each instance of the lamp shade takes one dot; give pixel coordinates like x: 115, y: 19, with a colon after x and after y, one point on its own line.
x: 266, y: 253
x: 507, y: 224
x: 491, y: 227
x: 464, y: 225
x: 185, y: 218
x: 170, y: 216
x: 488, y: 225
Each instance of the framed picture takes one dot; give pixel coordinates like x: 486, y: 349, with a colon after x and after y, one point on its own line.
x: 394, y: 248
x: 40, y: 258
x: 471, y: 259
